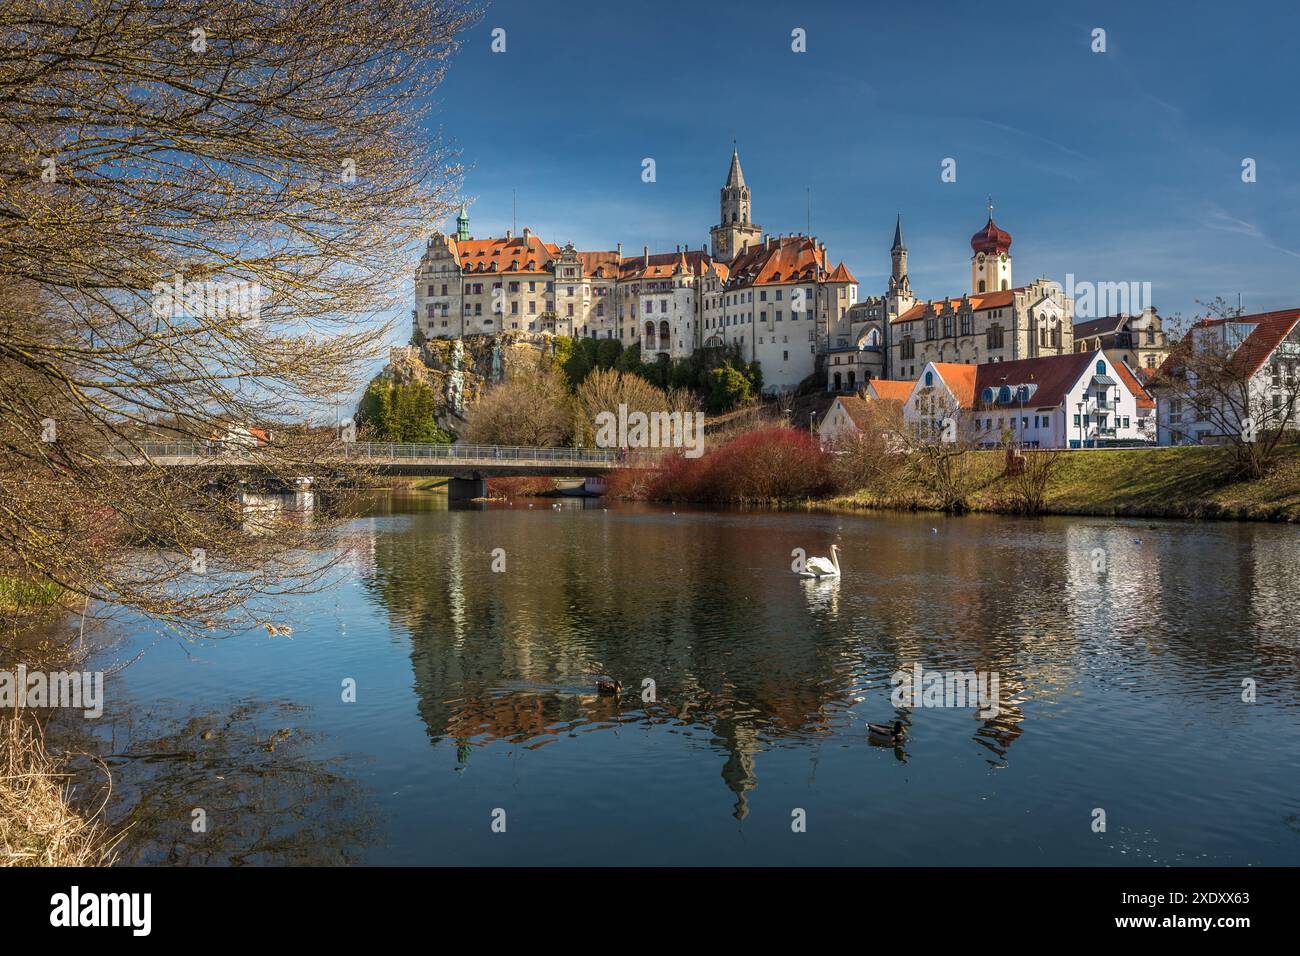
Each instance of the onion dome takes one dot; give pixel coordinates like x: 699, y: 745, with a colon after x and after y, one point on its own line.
x: 991, y: 240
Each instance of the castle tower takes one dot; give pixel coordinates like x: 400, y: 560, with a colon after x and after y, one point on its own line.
x: 734, y: 230
x: 462, y: 225
x: 990, y: 261
x: 898, y: 298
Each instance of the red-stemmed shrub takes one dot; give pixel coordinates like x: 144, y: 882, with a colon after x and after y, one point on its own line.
x: 775, y: 463
x: 519, y: 487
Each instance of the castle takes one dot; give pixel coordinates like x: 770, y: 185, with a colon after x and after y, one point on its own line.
x: 776, y: 298
x: 894, y: 335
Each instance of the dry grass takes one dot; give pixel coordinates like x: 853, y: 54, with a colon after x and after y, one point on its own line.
x: 1191, y: 482
x: 39, y: 824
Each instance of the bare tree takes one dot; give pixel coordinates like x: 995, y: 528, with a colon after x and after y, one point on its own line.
x: 604, y: 390
x: 532, y: 407
x: 207, y: 209
x: 1219, y: 382
x: 873, y: 454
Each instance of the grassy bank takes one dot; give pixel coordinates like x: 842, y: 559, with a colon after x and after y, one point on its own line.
x: 27, y: 597
x: 426, y: 484
x: 42, y: 821
x: 1153, y: 483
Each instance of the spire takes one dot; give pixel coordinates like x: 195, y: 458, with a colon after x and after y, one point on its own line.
x: 462, y: 224
x: 990, y: 209
x: 734, y: 176
x: 898, y: 234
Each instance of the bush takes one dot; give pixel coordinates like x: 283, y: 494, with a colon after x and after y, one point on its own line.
x: 773, y: 464
x: 727, y: 389
x: 401, y: 412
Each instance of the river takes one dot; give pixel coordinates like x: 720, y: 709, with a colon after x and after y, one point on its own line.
x: 477, y: 735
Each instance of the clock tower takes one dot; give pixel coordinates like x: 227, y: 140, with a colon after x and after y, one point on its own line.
x: 735, y: 230
x: 990, y: 261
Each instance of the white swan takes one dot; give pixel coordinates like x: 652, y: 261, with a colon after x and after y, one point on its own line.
x: 821, y: 568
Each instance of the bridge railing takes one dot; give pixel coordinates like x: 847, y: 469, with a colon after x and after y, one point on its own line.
x: 398, y: 450
x: 502, y: 453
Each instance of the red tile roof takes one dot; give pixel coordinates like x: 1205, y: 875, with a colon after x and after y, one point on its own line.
x: 888, y: 390
x: 858, y: 409
x: 663, y: 265
x: 515, y: 255
x: 1270, y: 329
x: 786, y: 259
x: 599, y: 264
x: 841, y: 274
x: 978, y: 303
x: 960, y: 380
x: 1132, y: 383
x: 1053, y: 374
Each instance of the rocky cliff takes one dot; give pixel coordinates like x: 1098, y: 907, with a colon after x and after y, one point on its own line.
x: 458, y: 370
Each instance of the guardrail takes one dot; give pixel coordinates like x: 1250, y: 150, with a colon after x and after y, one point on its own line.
x: 410, y: 451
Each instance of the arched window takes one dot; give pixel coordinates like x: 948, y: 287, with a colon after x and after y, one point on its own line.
x: 982, y: 285
x: 837, y: 381
x: 1101, y: 368
x: 929, y: 379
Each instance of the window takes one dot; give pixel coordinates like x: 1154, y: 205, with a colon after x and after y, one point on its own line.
x: 929, y: 379
x: 1101, y: 368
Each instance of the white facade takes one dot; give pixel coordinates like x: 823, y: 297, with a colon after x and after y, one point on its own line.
x: 1084, y: 404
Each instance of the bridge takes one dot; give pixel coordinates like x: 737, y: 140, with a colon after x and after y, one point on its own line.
x: 468, y: 466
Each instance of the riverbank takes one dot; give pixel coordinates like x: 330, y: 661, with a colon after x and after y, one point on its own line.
x: 425, y: 484
x: 1150, y: 483
x: 43, y: 822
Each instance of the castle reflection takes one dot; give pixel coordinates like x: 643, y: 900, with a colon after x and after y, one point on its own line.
x: 750, y: 657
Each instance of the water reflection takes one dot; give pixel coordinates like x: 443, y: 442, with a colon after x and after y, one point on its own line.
x: 236, y: 788
x: 742, y: 649
x: 1119, y: 688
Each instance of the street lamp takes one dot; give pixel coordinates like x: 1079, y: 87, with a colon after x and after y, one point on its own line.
x: 1081, y: 429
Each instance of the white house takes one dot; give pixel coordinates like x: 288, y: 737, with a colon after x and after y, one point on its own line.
x: 1260, y: 351
x: 1076, y: 400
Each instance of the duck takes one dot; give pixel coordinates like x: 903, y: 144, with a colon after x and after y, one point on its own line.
x: 894, y: 733
x: 609, y: 688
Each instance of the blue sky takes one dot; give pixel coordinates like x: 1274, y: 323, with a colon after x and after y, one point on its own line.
x: 1116, y: 166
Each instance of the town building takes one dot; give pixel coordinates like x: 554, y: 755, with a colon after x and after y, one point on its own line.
x: 1139, y: 341
x: 1229, y: 377
x: 847, y: 415
x: 778, y: 299
x: 995, y: 321
x: 1077, y: 400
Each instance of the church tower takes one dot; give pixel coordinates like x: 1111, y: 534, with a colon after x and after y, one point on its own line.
x: 990, y: 261
x: 898, y: 298
x: 462, y: 225
x: 735, y: 230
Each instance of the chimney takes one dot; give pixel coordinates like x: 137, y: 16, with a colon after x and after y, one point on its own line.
x: 645, y: 254
x: 620, y: 252
x: 527, y: 232
x: 508, y: 235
